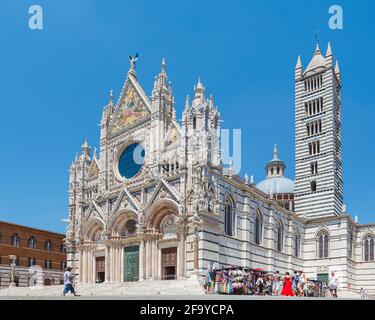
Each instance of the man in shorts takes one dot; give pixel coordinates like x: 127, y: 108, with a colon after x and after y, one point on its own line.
x: 68, y: 282
x: 332, y: 284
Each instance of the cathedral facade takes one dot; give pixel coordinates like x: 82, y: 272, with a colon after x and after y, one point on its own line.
x: 156, y: 201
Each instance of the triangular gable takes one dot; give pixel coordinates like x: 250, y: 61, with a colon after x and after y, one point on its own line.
x: 163, y: 190
x: 94, y: 211
x: 94, y: 170
x: 126, y: 200
x: 172, y: 138
x: 133, y: 107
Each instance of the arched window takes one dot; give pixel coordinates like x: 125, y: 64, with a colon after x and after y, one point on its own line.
x: 62, y: 248
x: 48, y: 245
x: 280, y: 236
x: 323, y: 244
x: 258, y: 228
x: 15, y: 240
x: 31, y: 262
x: 350, y: 245
x: 297, y: 243
x: 313, y: 186
x: 32, y: 243
x: 194, y: 122
x: 368, y: 247
x: 130, y: 229
x: 229, y: 218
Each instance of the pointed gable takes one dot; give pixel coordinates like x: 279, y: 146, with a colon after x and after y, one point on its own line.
x: 94, y: 170
x: 126, y: 200
x: 172, y: 138
x: 133, y: 107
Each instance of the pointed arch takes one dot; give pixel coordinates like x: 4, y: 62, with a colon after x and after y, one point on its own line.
x: 258, y: 227
x: 229, y: 217
x: 280, y: 235
x: 323, y: 243
x: 297, y: 243
x: 368, y: 244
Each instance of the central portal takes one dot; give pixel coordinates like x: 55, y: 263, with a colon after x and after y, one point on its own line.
x: 169, y: 263
x: 131, y: 263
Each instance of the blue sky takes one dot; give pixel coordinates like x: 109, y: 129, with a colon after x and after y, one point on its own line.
x: 54, y: 83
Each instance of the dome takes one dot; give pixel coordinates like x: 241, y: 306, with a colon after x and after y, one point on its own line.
x: 276, y: 182
x: 276, y: 185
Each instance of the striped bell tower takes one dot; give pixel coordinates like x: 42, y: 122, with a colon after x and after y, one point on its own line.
x: 318, y: 137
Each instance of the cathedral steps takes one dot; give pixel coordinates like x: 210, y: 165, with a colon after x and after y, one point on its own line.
x: 146, y: 287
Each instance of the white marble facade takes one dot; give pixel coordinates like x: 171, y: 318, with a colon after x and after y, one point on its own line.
x: 181, y: 209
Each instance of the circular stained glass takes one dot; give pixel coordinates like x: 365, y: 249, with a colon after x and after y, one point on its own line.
x: 131, y: 160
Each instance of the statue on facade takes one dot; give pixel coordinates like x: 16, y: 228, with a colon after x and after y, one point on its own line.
x: 133, y: 60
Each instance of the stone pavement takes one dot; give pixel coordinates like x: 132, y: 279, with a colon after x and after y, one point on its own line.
x: 146, y: 290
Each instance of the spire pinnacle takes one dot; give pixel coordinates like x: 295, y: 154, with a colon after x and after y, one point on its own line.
x: 111, y: 96
x: 163, y: 64
x: 329, y: 50
x: 317, y: 49
x: 299, y: 63
x: 187, y: 107
x: 337, y: 68
x: 275, y: 151
x: 211, y: 103
x: 199, y: 89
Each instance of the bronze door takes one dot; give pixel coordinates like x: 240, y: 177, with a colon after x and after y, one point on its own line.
x: 169, y: 263
x: 100, y: 269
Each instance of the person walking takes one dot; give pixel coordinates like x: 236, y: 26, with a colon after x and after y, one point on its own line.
x: 303, y: 283
x: 363, y: 293
x: 287, y: 288
x: 333, y: 284
x: 68, y: 282
x: 295, y: 281
x: 276, y: 283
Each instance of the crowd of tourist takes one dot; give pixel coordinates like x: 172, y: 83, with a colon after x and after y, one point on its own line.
x: 258, y: 282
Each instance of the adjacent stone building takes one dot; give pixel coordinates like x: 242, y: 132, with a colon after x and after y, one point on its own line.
x: 156, y: 200
x: 39, y: 255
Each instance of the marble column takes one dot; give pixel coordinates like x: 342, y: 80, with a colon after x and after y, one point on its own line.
x: 153, y: 261
x: 121, y: 259
x: 84, y: 265
x: 141, y: 259
x: 111, y: 263
x: 181, y: 258
x: 81, y: 267
x: 118, y: 265
x: 196, y: 254
x: 107, y: 264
